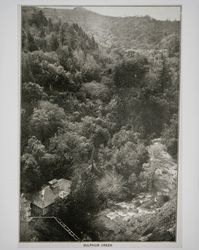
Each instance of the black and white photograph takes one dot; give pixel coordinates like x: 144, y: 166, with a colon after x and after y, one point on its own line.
x: 99, y: 126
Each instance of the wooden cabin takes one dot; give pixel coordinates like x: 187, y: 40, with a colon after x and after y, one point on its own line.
x: 54, y: 191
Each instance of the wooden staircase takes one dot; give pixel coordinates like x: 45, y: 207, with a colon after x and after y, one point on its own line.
x: 62, y: 224
x: 67, y: 229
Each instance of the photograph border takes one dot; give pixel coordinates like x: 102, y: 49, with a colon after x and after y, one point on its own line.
x: 177, y: 242
x: 187, y: 179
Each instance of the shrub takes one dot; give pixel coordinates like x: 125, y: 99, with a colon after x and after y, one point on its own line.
x: 170, y: 136
x: 46, y: 119
x: 111, y: 186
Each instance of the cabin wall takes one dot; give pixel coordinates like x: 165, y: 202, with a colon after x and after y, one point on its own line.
x: 36, y: 211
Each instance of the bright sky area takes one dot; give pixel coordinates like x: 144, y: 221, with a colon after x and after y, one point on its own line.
x: 157, y: 12
x: 161, y: 13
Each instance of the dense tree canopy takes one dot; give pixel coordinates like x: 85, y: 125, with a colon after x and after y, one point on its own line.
x: 90, y: 114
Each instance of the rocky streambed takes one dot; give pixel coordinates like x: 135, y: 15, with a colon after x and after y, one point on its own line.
x: 149, y: 216
x: 126, y: 221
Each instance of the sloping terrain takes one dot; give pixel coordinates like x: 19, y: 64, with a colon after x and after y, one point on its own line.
x: 164, y: 169
x: 142, y: 225
x: 89, y: 113
x: 149, y: 216
x: 129, y: 32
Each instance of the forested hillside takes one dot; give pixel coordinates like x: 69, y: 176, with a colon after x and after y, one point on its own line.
x: 119, y: 32
x: 99, y: 107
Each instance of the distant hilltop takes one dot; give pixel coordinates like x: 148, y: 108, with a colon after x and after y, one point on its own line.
x: 146, y: 32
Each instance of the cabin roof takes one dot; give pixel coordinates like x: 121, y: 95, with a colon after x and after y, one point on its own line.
x: 49, y: 193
